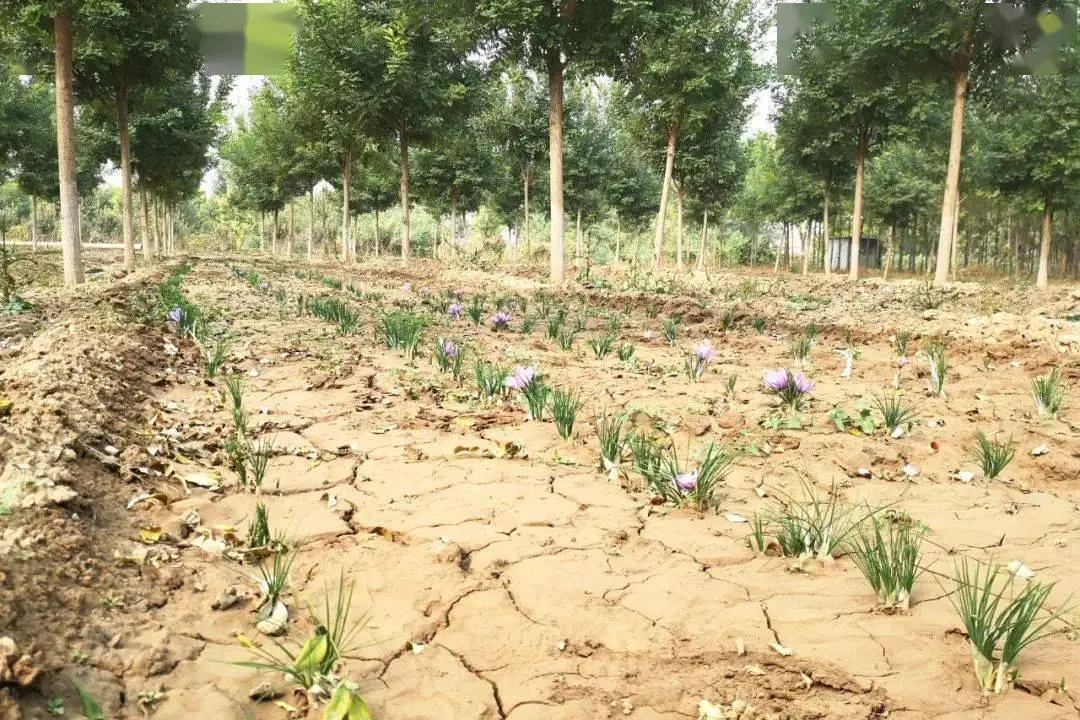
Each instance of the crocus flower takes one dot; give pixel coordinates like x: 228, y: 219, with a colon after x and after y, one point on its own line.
x: 264, y: 286
x: 776, y: 380
x: 802, y: 384
x: 455, y: 311
x: 648, y: 334
x: 901, y: 361
x: 500, y: 320
x: 449, y: 349
x: 522, y: 376
x: 176, y: 314
x: 407, y: 287
x: 686, y: 482
x: 704, y: 353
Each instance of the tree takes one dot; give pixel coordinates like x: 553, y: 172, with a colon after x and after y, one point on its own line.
x: 851, y: 82
x: 964, y: 43
x: 334, y: 57
x: 136, y: 47
x: 551, y: 36
x: 691, y: 63
x: 1032, y: 144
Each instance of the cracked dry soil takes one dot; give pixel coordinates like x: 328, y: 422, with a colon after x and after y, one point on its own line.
x: 528, y: 587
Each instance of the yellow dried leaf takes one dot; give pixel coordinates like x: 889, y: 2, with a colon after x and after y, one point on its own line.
x: 150, y: 535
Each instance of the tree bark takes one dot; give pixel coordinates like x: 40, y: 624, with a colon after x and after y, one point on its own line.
x: 435, y: 246
x: 292, y: 230
x: 404, y: 136
x: 857, y: 212
x: 577, y: 240
x: 311, y: 225
x: 376, y: 232
x: 678, y: 227
x: 555, y: 160
x: 346, y: 181
x: 144, y: 231
x: 825, y: 239
x: 1042, y: 280
x: 889, y: 252
x: 669, y: 168
x: 946, y: 237
x: 33, y: 223
x: 273, y: 232
x: 780, y: 250
x: 704, y: 249
x: 527, y: 227
x: 955, y: 242
x: 70, y: 241
x: 618, y: 239
x: 262, y: 231
x: 806, y: 249
x: 125, y: 177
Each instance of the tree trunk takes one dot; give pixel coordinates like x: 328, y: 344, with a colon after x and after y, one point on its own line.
x: 273, y: 233
x: 618, y: 239
x: 292, y: 229
x: 404, y: 133
x: 376, y: 232
x: 857, y: 212
x: 528, y: 230
x: 262, y: 231
x: 704, y: 249
x: 33, y: 223
x: 1043, y: 277
x: 144, y: 231
x: 949, y: 211
x: 346, y: 181
x: 669, y: 167
x: 125, y: 177
x: 577, y: 240
x: 555, y: 159
x: 780, y: 250
x: 435, y: 246
x: 311, y: 225
x: 889, y: 252
x: 453, y: 216
x: 825, y: 241
x: 955, y: 242
x: 678, y: 227
x: 65, y: 147
x: 806, y: 249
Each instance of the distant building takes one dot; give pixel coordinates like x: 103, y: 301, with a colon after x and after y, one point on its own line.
x: 871, y: 251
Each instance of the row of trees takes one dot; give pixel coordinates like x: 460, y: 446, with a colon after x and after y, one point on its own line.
x: 133, y: 69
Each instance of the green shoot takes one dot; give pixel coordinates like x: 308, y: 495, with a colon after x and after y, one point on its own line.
x: 564, y: 409
x: 993, y: 457
x: 1049, y: 393
x: 889, y: 560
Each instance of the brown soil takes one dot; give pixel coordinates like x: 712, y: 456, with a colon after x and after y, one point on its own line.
x: 527, y: 587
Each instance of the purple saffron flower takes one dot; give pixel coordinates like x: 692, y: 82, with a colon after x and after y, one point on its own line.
x: 407, y: 287
x: 264, y: 286
x: 500, y: 320
x: 704, y: 353
x: 449, y: 349
x: 802, y: 385
x: 176, y: 315
x: 686, y: 482
x: 455, y: 311
x: 901, y: 361
x: 776, y: 380
x: 522, y: 377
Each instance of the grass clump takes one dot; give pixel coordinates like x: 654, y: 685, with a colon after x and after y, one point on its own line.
x: 625, y: 352
x: 564, y: 409
x: 800, y: 348
x: 814, y: 526
x: 401, y: 330
x: 313, y: 665
x: 998, y: 629
x: 670, y: 328
x: 258, y: 458
x: 1049, y: 392
x: 939, y: 364
x: 490, y: 379
x: 993, y: 456
x: 565, y: 338
x: 609, y: 430
x: 602, y: 346
x: 895, y: 412
x: 475, y: 310
x: 259, y: 529
x: 889, y: 560
x: 758, y: 324
x: 675, y: 482
x: 449, y: 357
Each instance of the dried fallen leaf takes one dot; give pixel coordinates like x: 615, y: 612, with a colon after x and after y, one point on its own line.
x: 1020, y: 570
x: 754, y: 670
x: 1039, y: 451
x: 735, y: 518
x: 210, y: 481
x: 150, y: 535
x: 785, y: 651
x: 143, y: 497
